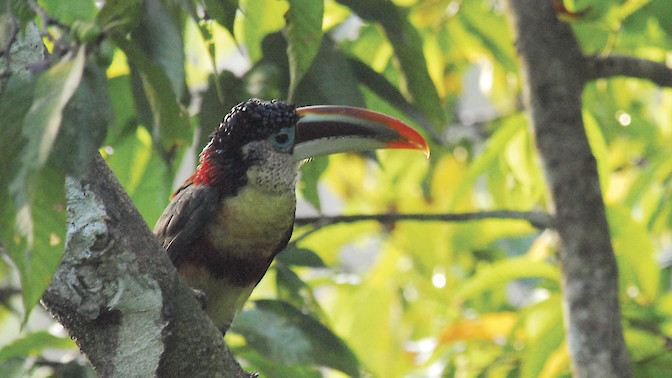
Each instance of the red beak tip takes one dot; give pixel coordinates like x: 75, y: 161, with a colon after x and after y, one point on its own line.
x: 409, y: 138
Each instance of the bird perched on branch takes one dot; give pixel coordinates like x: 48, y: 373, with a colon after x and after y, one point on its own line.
x: 225, y: 225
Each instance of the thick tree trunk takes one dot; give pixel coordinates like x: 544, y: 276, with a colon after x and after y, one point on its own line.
x: 554, y: 71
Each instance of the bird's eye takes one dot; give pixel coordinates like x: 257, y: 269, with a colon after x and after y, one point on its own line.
x: 283, y: 138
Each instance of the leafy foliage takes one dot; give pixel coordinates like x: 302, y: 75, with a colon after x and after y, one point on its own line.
x: 141, y: 80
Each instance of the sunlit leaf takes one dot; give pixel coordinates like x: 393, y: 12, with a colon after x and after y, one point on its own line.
x: 33, y: 344
x: 599, y: 147
x: 36, y: 244
x: 634, y: 251
x: 142, y: 173
x: 42, y: 122
x: 494, y: 147
x: 545, y: 332
x: 491, y: 30
x: 485, y: 327
x: 260, y: 18
x: 557, y: 363
x: 501, y: 272
x: 644, y: 345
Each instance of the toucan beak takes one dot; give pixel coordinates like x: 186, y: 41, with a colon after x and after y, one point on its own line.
x: 324, y: 130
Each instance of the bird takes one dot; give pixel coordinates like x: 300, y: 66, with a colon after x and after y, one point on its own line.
x: 226, y: 223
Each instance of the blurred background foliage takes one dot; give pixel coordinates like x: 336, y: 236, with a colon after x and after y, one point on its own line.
x: 145, y: 82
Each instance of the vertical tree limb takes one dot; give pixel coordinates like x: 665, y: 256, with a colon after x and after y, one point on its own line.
x: 554, y: 70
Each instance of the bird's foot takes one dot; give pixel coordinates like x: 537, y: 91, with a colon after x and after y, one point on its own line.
x: 201, y: 297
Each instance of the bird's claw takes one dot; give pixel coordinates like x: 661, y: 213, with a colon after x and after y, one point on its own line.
x: 201, y: 297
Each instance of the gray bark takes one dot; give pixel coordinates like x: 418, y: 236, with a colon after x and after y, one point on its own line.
x: 554, y: 71
x: 119, y: 296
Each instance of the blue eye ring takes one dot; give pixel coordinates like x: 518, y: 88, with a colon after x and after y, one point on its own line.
x: 283, y: 138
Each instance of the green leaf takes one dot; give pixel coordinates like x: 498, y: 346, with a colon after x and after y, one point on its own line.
x: 14, y: 368
x: 121, y: 99
x: 70, y: 11
x: 35, y: 242
x: 142, y: 173
x: 408, y: 48
x: 300, y: 257
x: 268, y: 368
x: 293, y: 290
x: 43, y: 121
x: 501, y: 272
x: 16, y: 98
x: 491, y: 29
x: 644, y: 345
x: 120, y: 13
x: 310, y: 176
x: 33, y: 344
x: 658, y: 366
x: 223, y: 11
x: 329, y: 80
x: 598, y: 145
x: 85, y: 122
x: 304, y: 37
x: 156, y: 58
x: 22, y: 10
x: 545, y: 320
x: 155, y: 99
x: 284, y: 334
x: 634, y: 251
x: 656, y: 170
x: 288, y: 282
x: 495, y: 146
x: 261, y: 18
x: 382, y: 88
x: 661, y: 10
x: 159, y: 37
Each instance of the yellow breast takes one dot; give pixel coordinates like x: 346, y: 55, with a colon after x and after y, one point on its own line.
x: 252, y: 223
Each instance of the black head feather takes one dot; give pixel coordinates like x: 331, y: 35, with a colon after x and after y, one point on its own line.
x: 253, y: 120
x: 222, y: 163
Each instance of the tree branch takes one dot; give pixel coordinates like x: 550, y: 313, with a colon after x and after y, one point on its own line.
x: 623, y: 65
x: 116, y: 291
x: 119, y: 296
x: 536, y: 219
x: 553, y: 70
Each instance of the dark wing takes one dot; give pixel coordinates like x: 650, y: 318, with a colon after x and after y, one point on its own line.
x: 182, y: 222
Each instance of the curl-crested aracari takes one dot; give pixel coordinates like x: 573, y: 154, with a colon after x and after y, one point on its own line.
x: 225, y: 225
